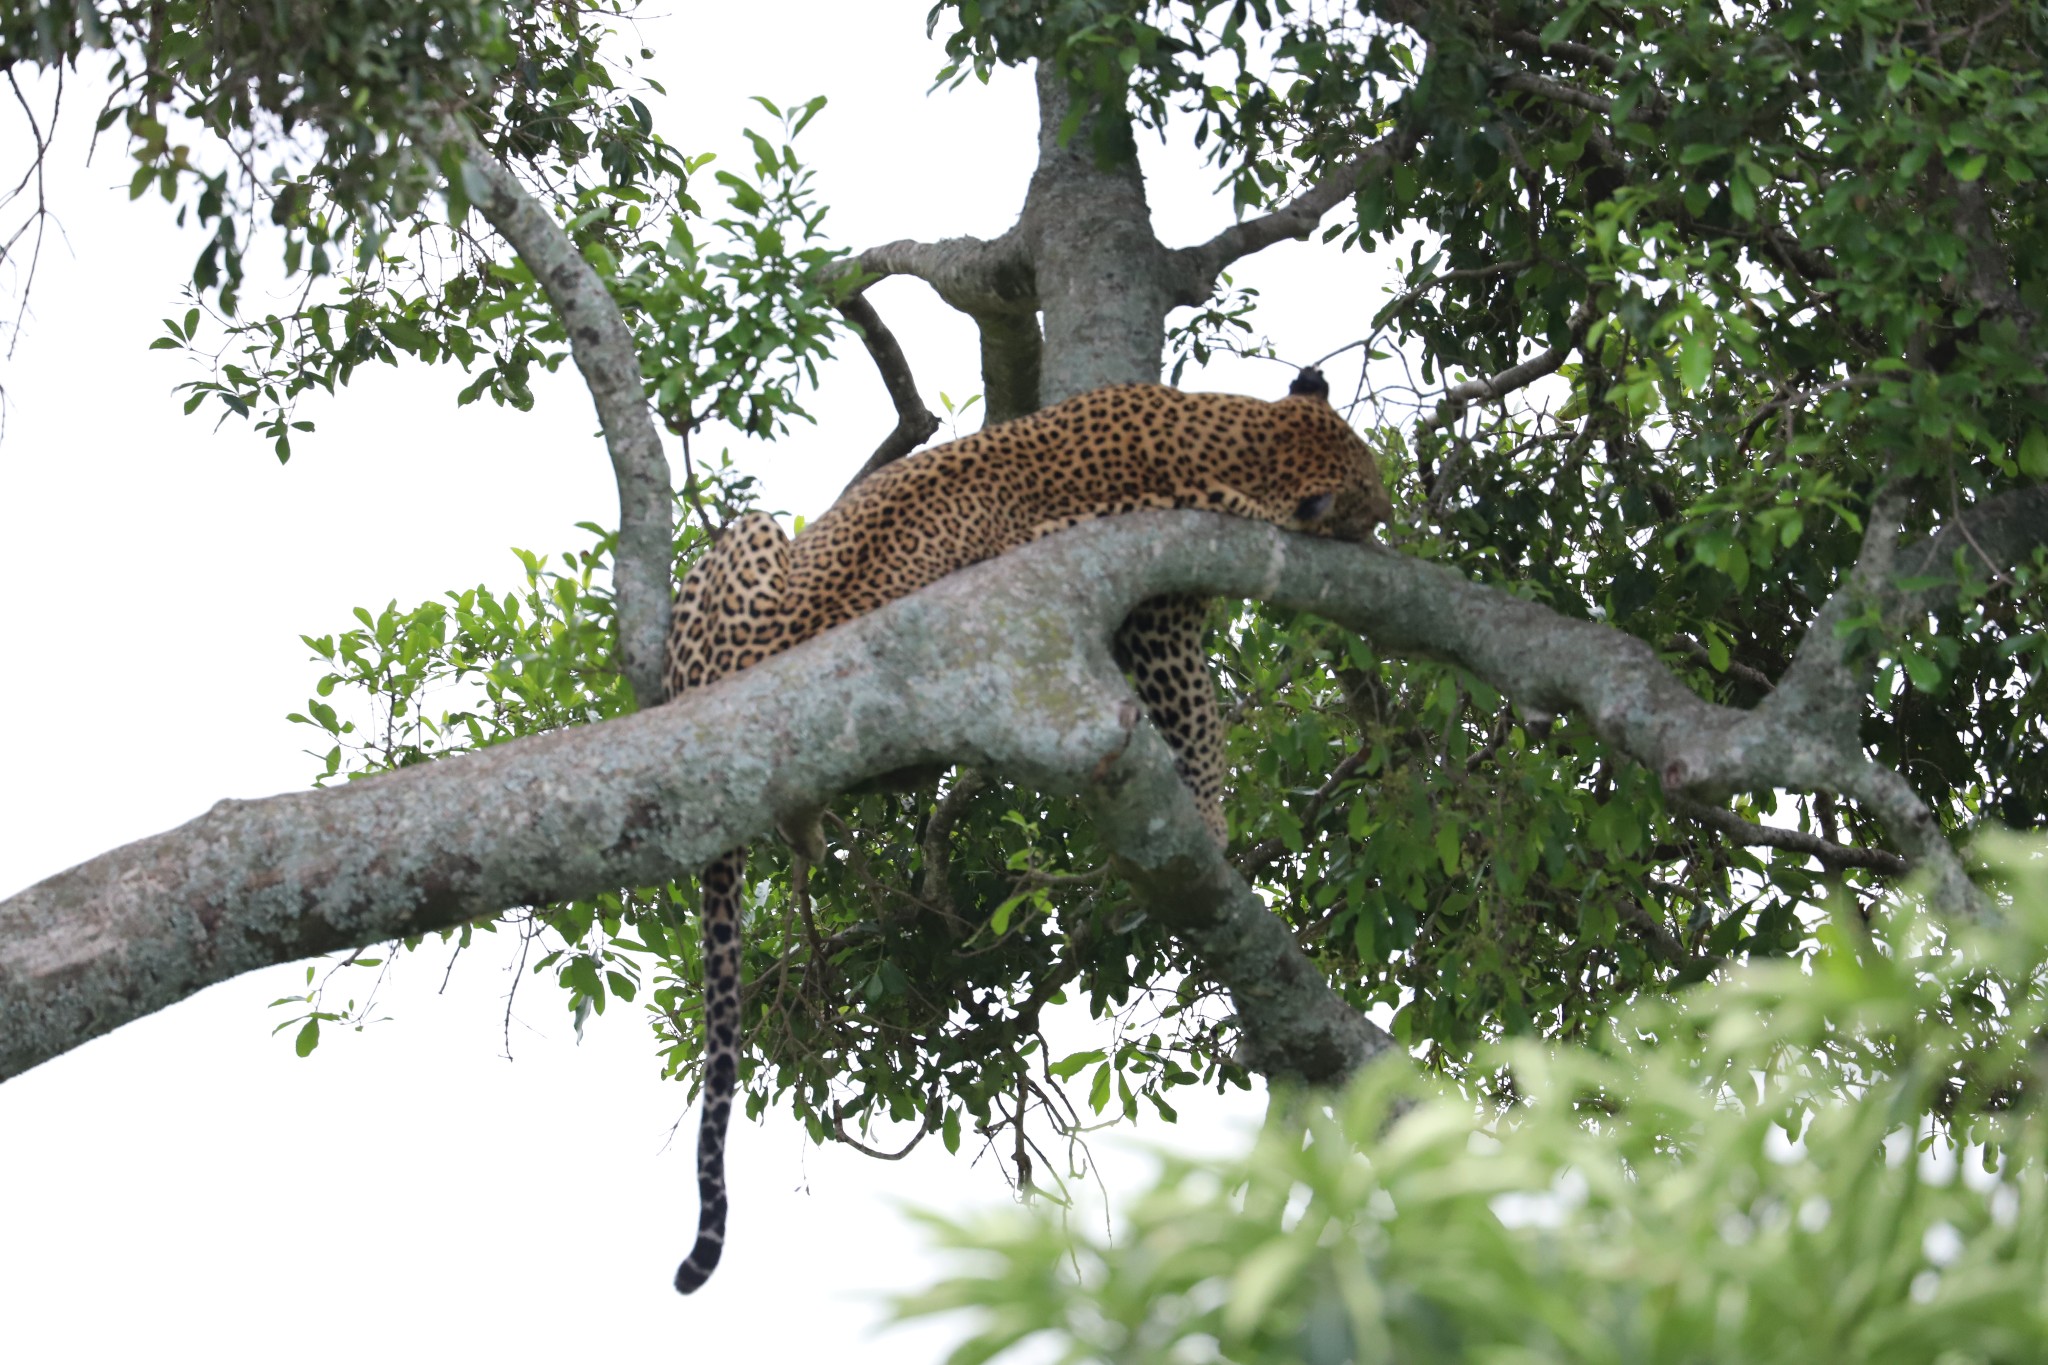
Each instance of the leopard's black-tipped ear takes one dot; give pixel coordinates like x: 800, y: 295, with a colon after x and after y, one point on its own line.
x: 1310, y: 382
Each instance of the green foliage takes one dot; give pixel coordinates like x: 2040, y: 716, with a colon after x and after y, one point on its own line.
x: 1840, y: 1161
x: 730, y: 335
x: 299, y: 113
x: 513, y: 664
x: 1792, y: 255
x: 1789, y: 254
x: 301, y: 125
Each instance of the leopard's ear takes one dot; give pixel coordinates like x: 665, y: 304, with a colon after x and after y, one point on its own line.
x: 1309, y: 383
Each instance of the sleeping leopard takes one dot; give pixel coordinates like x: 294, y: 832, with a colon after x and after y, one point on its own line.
x: 1295, y: 463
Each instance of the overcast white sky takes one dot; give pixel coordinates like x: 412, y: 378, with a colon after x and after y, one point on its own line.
x: 186, y: 1186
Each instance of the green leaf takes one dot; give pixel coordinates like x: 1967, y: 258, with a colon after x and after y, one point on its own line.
x: 1450, y: 849
x: 999, y: 922
x: 2033, y: 454
x: 476, y: 185
x: 1260, y: 1279
x: 1695, y: 361
x: 1071, y: 1065
x: 308, y: 1039
x: 1925, y: 672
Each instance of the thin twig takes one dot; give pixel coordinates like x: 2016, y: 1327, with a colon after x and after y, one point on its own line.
x: 1548, y: 361
x: 1743, y: 831
x: 839, y: 1132
x: 915, y: 422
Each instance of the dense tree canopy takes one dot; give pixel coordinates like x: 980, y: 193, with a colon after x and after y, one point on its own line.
x: 1712, y: 402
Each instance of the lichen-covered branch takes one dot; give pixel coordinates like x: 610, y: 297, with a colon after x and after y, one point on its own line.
x: 972, y: 275
x: 995, y: 284
x: 1293, y: 1025
x: 610, y: 364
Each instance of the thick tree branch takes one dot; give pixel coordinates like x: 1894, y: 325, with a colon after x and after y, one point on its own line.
x: 610, y: 364
x: 1005, y: 666
x: 995, y: 284
x: 1012, y: 365
x: 972, y: 275
x: 1099, y: 274
x: 1294, y: 1026
x: 915, y: 422
x: 1991, y: 278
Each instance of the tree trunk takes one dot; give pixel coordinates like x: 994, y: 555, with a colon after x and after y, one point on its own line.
x: 1103, y: 281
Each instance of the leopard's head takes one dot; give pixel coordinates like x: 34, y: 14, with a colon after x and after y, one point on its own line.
x: 1328, y: 467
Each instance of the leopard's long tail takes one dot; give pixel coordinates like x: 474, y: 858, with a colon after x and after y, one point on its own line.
x: 720, y: 921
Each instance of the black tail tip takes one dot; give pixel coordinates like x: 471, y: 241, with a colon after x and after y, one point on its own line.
x: 1310, y: 383
x: 697, y: 1267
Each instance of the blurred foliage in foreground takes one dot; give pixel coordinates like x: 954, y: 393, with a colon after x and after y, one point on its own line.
x: 1839, y: 1159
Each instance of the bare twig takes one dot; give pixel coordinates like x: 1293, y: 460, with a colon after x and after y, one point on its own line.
x: 1488, y: 387
x: 690, y: 489
x: 915, y: 422
x: 1197, y: 267
x: 839, y: 1132
x: 1753, y: 835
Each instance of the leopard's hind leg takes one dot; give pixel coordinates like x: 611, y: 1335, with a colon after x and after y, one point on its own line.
x: 1160, y: 646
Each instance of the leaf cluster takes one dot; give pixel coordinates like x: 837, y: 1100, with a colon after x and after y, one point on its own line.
x: 303, y: 125
x: 1839, y: 1161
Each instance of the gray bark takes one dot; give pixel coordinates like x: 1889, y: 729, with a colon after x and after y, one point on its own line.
x: 1083, y: 254
x: 610, y: 364
x: 1104, y: 281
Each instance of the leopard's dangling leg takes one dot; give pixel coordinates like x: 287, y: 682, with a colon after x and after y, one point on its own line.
x: 1160, y: 646
x: 730, y: 613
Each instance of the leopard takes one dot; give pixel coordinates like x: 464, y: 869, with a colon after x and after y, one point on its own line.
x: 1294, y: 462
